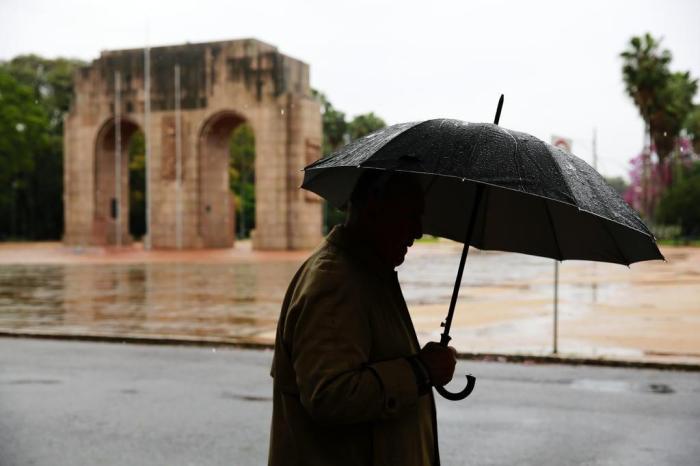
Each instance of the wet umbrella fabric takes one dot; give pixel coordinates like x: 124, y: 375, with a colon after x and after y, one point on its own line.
x: 535, y: 198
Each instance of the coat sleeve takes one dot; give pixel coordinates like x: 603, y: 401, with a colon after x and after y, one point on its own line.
x: 330, y: 349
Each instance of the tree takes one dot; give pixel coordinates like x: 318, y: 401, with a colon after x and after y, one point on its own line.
x: 692, y: 127
x: 137, y: 185
x: 618, y: 184
x: 242, y: 177
x: 41, y: 89
x: 645, y: 71
x: 665, y: 102
x: 334, y: 125
x: 680, y: 204
x: 363, y: 125
x: 51, y: 80
x: 664, y: 99
x: 675, y: 107
x: 23, y: 141
x: 336, y: 133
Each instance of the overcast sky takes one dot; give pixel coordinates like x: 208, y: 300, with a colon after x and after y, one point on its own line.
x: 557, y: 62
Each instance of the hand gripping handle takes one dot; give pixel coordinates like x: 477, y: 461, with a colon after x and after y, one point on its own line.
x: 471, y: 380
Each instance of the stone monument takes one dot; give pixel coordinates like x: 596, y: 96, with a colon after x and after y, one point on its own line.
x: 199, y: 93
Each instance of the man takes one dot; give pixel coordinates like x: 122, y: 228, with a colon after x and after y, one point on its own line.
x: 351, y: 384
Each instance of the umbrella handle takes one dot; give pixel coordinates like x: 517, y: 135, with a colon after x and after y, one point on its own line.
x: 471, y: 381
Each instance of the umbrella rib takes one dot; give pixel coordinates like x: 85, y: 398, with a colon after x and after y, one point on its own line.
x: 612, y: 238
x: 554, y: 230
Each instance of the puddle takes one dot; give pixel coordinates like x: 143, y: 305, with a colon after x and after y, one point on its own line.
x: 620, y: 386
x: 610, y: 386
x: 660, y: 388
x: 34, y: 382
x: 236, y: 396
x: 222, y: 300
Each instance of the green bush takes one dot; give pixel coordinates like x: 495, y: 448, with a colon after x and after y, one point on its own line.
x: 680, y: 204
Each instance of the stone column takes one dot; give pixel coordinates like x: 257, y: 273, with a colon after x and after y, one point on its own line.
x: 305, y: 214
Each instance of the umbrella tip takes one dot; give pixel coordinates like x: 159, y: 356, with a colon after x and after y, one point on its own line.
x: 497, y: 118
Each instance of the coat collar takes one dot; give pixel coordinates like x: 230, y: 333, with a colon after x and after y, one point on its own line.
x: 344, y: 238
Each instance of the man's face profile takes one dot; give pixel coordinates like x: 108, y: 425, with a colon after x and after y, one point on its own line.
x: 397, y: 219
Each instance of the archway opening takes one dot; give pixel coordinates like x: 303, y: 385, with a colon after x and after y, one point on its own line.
x: 242, y: 178
x: 227, y: 180
x: 112, y: 206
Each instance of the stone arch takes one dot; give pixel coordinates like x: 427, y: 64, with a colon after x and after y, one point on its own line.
x: 252, y: 79
x: 104, y: 231
x: 216, y: 212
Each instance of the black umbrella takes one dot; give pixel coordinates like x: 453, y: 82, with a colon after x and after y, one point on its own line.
x: 494, y: 189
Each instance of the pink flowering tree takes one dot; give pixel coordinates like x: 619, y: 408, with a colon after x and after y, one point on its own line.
x: 650, y: 177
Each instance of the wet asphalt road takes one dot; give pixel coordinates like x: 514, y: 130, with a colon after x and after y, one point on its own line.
x: 75, y: 403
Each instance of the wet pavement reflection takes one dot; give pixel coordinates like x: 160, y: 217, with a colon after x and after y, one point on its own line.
x: 180, y: 299
x: 648, y: 311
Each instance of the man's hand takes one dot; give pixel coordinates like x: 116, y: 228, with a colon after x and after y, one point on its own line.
x: 439, y: 361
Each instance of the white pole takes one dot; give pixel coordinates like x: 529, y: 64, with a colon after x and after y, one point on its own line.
x: 556, y: 305
x: 595, y: 150
x: 595, y: 167
x: 117, y: 157
x: 178, y: 161
x: 147, y: 138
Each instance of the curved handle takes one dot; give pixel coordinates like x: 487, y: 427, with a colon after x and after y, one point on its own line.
x: 471, y: 381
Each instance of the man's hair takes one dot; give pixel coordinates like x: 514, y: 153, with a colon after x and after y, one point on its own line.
x: 371, y: 184
x: 381, y: 184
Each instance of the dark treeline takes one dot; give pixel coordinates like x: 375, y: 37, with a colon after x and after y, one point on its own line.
x: 338, y: 131
x: 34, y: 95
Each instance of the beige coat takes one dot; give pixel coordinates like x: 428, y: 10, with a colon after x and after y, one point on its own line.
x: 344, y: 394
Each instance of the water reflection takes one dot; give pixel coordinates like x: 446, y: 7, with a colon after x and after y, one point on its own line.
x: 505, y: 303
x: 181, y: 299
x: 229, y: 300
x: 428, y: 277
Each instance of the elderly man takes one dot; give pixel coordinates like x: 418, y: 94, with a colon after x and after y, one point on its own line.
x: 351, y: 384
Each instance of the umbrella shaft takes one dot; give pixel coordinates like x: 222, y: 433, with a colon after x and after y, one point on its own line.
x: 445, y: 339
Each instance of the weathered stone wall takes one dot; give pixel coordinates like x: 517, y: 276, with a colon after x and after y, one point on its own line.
x: 222, y: 85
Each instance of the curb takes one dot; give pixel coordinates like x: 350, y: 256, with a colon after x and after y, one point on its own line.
x: 145, y: 340
x: 486, y: 357
x: 580, y: 361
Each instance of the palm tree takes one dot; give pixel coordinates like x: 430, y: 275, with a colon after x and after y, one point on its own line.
x: 645, y: 72
x: 664, y: 99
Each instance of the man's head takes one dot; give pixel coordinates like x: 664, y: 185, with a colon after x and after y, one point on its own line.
x: 387, y: 207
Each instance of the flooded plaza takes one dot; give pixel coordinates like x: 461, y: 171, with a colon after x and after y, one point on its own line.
x: 649, y: 311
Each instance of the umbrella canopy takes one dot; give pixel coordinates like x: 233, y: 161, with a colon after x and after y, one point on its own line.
x: 535, y: 198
